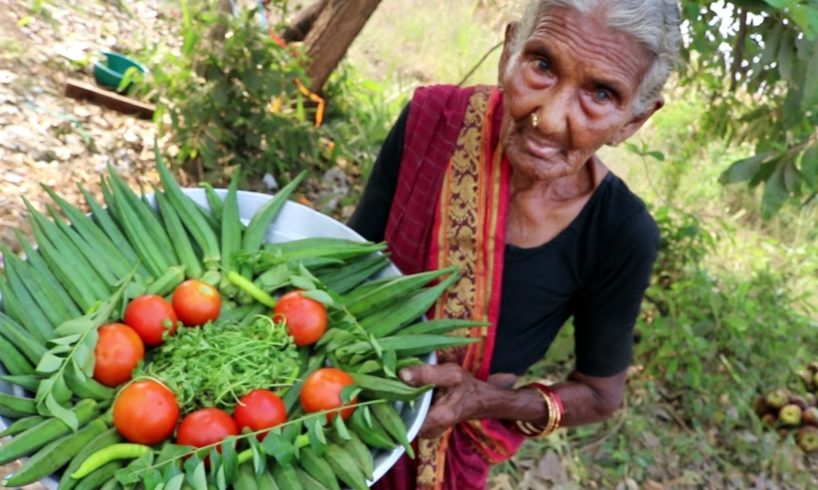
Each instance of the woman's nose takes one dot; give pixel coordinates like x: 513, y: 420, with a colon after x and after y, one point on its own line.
x: 551, y: 117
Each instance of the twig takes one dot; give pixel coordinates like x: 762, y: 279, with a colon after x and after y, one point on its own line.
x: 477, y: 65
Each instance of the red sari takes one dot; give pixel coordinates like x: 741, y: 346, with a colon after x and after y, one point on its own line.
x: 450, y: 209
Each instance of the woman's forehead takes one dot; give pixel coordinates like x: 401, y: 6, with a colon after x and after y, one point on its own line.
x: 585, y: 38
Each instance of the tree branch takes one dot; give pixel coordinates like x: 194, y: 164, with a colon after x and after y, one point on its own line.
x: 302, y: 22
x: 738, y: 53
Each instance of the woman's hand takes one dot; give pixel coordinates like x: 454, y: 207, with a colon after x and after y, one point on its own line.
x: 460, y: 396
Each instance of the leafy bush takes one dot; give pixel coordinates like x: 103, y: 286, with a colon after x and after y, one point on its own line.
x: 231, y: 99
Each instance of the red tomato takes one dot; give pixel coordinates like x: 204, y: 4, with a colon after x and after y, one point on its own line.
x: 204, y: 427
x: 259, y: 409
x: 196, y: 302
x: 322, y: 391
x: 151, y: 315
x: 119, y: 349
x: 306, y: 318
x: 145, y: 412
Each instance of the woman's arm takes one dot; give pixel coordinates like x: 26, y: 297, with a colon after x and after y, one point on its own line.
x: 460, y: 396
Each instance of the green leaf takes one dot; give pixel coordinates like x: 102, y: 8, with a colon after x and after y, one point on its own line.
x: 67, y: 340
x: 75, y: 326
x: 809, y: 166
x: 277, y: 446
x: 49, y: 363
x: 315, y: 431
x: 658, y: 155
x: 810, y: 98
x: 153, y: 479
x: 390, y: 363
x: 175, y: 483
x: 291, y: 431
x: 230, y: 461
x: 779, y: 4
x: 61, y: 392
x: 61, y: 412
x: 743, y: 170
x: 259, y: 459
x: 341, y: 428
x: 300, y: 282
x: 367, y: 414
x: 775, y: 193
x: 321, y: 296
x: 195, y: 473
x: 84, y: 358
x: 348, y: 393
x: 786, y: 53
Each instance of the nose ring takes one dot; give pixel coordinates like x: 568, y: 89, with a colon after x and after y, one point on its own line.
x: 535, y: 119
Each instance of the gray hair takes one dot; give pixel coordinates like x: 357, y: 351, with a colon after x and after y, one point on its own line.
x: 655, y: 24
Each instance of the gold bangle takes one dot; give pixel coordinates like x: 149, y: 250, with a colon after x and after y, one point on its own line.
x: 552, y: 404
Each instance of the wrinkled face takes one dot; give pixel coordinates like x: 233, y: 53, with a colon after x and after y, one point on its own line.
x: 581, y: 80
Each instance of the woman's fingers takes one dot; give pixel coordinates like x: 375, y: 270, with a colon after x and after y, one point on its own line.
x: 502, y: 380
x: 441, y: 375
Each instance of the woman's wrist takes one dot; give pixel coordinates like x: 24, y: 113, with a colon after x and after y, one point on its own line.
x: 510, y: 404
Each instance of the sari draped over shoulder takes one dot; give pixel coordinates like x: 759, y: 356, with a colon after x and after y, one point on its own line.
x: 450, y: 209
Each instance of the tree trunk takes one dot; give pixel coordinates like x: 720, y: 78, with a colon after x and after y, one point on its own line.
x: 302, y: 22
x: 332, y: 33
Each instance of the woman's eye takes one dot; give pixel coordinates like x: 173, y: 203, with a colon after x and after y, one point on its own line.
x: 543, y: 64
x: 602, y: 95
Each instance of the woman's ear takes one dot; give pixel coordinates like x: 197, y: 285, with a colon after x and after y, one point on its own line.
x: 508, y: 46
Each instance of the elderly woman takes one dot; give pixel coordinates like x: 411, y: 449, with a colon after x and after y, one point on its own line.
x: 506, y: 183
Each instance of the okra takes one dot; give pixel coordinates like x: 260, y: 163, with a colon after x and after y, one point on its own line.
x: 265, y: 481
x: 93, y: 235
x: 364, y: 289
x: 108, y: 197
x: 100, y: 476
x: 14, y: 362
x: 361, y: 454
x: 392, y: 291
x: 146, y: 215
x: 245, y: 479
x: 391, y: 319
x: 26, y: 343
x: 318, y: 468
x: 65, y: 251
x: 412, y: 345
x: 103, y: 219
x: 243, y: 311
x: 375, y: 387
x: 179, y: 237
x: 46, y: 431
x: 88, y: 388
x: 76, y: 282
x: 350, y: 281
x: 261, y: 221
x: 148, y: 247
x: 103, y: 440
x: 440, y: 326
x: 28, y: 382
x: 393, y: 424
x: 40, y: 269
x: 21, y: 425
x: 340, y: 269
x: 286, y: 476
x: 343, y: 465
x: 374, y: 435
x: 278, y: 253
x: 16, y: 407
x: 167, y: 282
x: 213, y: 201
x: 100, y: 263
x: 22, y: 307
x: 55, y: 454
x: 230, y: 229
x: 191, y: 216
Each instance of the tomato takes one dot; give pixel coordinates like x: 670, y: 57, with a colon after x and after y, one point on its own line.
x: 322, y: 391
x: 151, y: 315
x: 204, y: 427
x: 306, y: 318
x: 196, y: 302
x: 259, y: 409
x: 119, y: 349
x: 146, y: 412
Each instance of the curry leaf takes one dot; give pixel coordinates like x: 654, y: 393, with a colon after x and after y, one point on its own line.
x: 278, y: 447
x: 49, y: 363
x: 229, y: 460
x: 175, y: 482
x: 341, y: 428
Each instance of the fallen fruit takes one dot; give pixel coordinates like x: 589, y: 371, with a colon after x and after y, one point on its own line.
x: 810, y: 416
x: 807, y: 439
x: 790, y: 415
x: 778, y: 398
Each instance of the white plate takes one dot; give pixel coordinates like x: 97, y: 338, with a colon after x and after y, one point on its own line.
x: 294, y: 222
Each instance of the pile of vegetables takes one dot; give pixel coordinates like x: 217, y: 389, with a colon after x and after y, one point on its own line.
x: 161, y: 344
